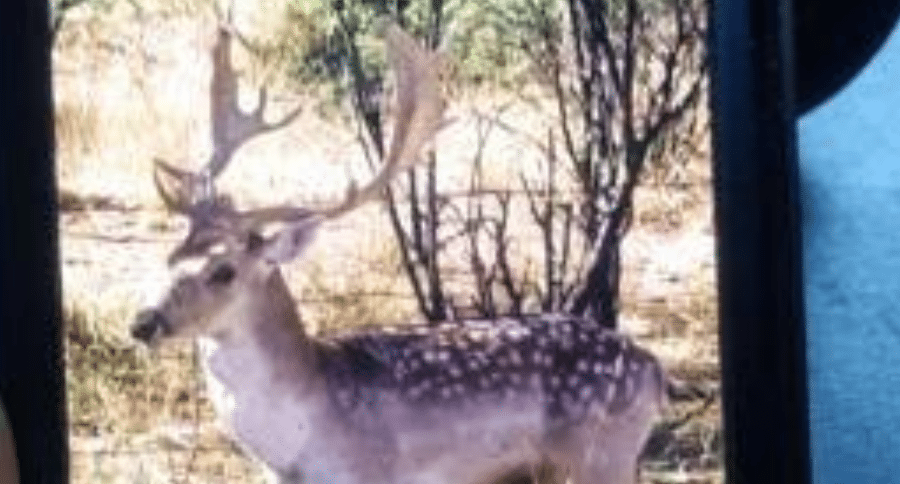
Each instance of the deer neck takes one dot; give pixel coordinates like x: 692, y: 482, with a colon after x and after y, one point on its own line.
x: 264, y: 348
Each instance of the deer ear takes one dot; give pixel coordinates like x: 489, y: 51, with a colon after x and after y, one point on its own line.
x: 289, y: 242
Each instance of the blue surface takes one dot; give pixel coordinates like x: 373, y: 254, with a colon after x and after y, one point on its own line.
x: 849, y: 150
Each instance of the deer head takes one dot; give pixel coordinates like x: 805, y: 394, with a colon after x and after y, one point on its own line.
x: 242, y: 249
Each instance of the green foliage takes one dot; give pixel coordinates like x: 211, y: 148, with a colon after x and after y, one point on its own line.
x: 489, y: 41
x: 59, y: 7
x: 530, y: 33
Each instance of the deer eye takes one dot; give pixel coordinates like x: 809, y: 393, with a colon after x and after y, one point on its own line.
x: 222, y: 274
x: 254, y: 242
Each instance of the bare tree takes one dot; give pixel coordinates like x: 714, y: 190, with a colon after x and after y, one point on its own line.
x: 640, y: 70
x: 627, y: 77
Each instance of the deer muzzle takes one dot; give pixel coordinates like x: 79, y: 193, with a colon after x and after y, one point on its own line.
x: 149, y: 326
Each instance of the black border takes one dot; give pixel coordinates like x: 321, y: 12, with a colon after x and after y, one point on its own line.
x: 31, y: 371
x: 763, y: 339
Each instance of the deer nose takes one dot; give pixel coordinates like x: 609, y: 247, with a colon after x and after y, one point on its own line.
x: 149, y: 324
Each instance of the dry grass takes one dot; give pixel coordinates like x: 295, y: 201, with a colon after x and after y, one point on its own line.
x: 128, y: 91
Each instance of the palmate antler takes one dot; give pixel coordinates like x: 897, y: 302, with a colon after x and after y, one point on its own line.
x: 231, y: 127
x: 193, y: 193
x: 420, y: 110
x: 419, y: 115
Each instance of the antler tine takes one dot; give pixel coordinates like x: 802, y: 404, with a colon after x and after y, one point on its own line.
x: 420, y: 113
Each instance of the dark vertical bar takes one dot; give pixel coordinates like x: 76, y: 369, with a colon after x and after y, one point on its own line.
x: 757, y: 215
x: 31, y: 372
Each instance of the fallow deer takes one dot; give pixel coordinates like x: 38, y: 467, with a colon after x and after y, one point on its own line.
x: 466, y: 402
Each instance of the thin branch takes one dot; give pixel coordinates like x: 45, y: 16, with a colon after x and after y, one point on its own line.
x: 542, y: 218
x: 564, y: 256
x: 507, y: 278
x: 433, y: 221
x: 676, y: 112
